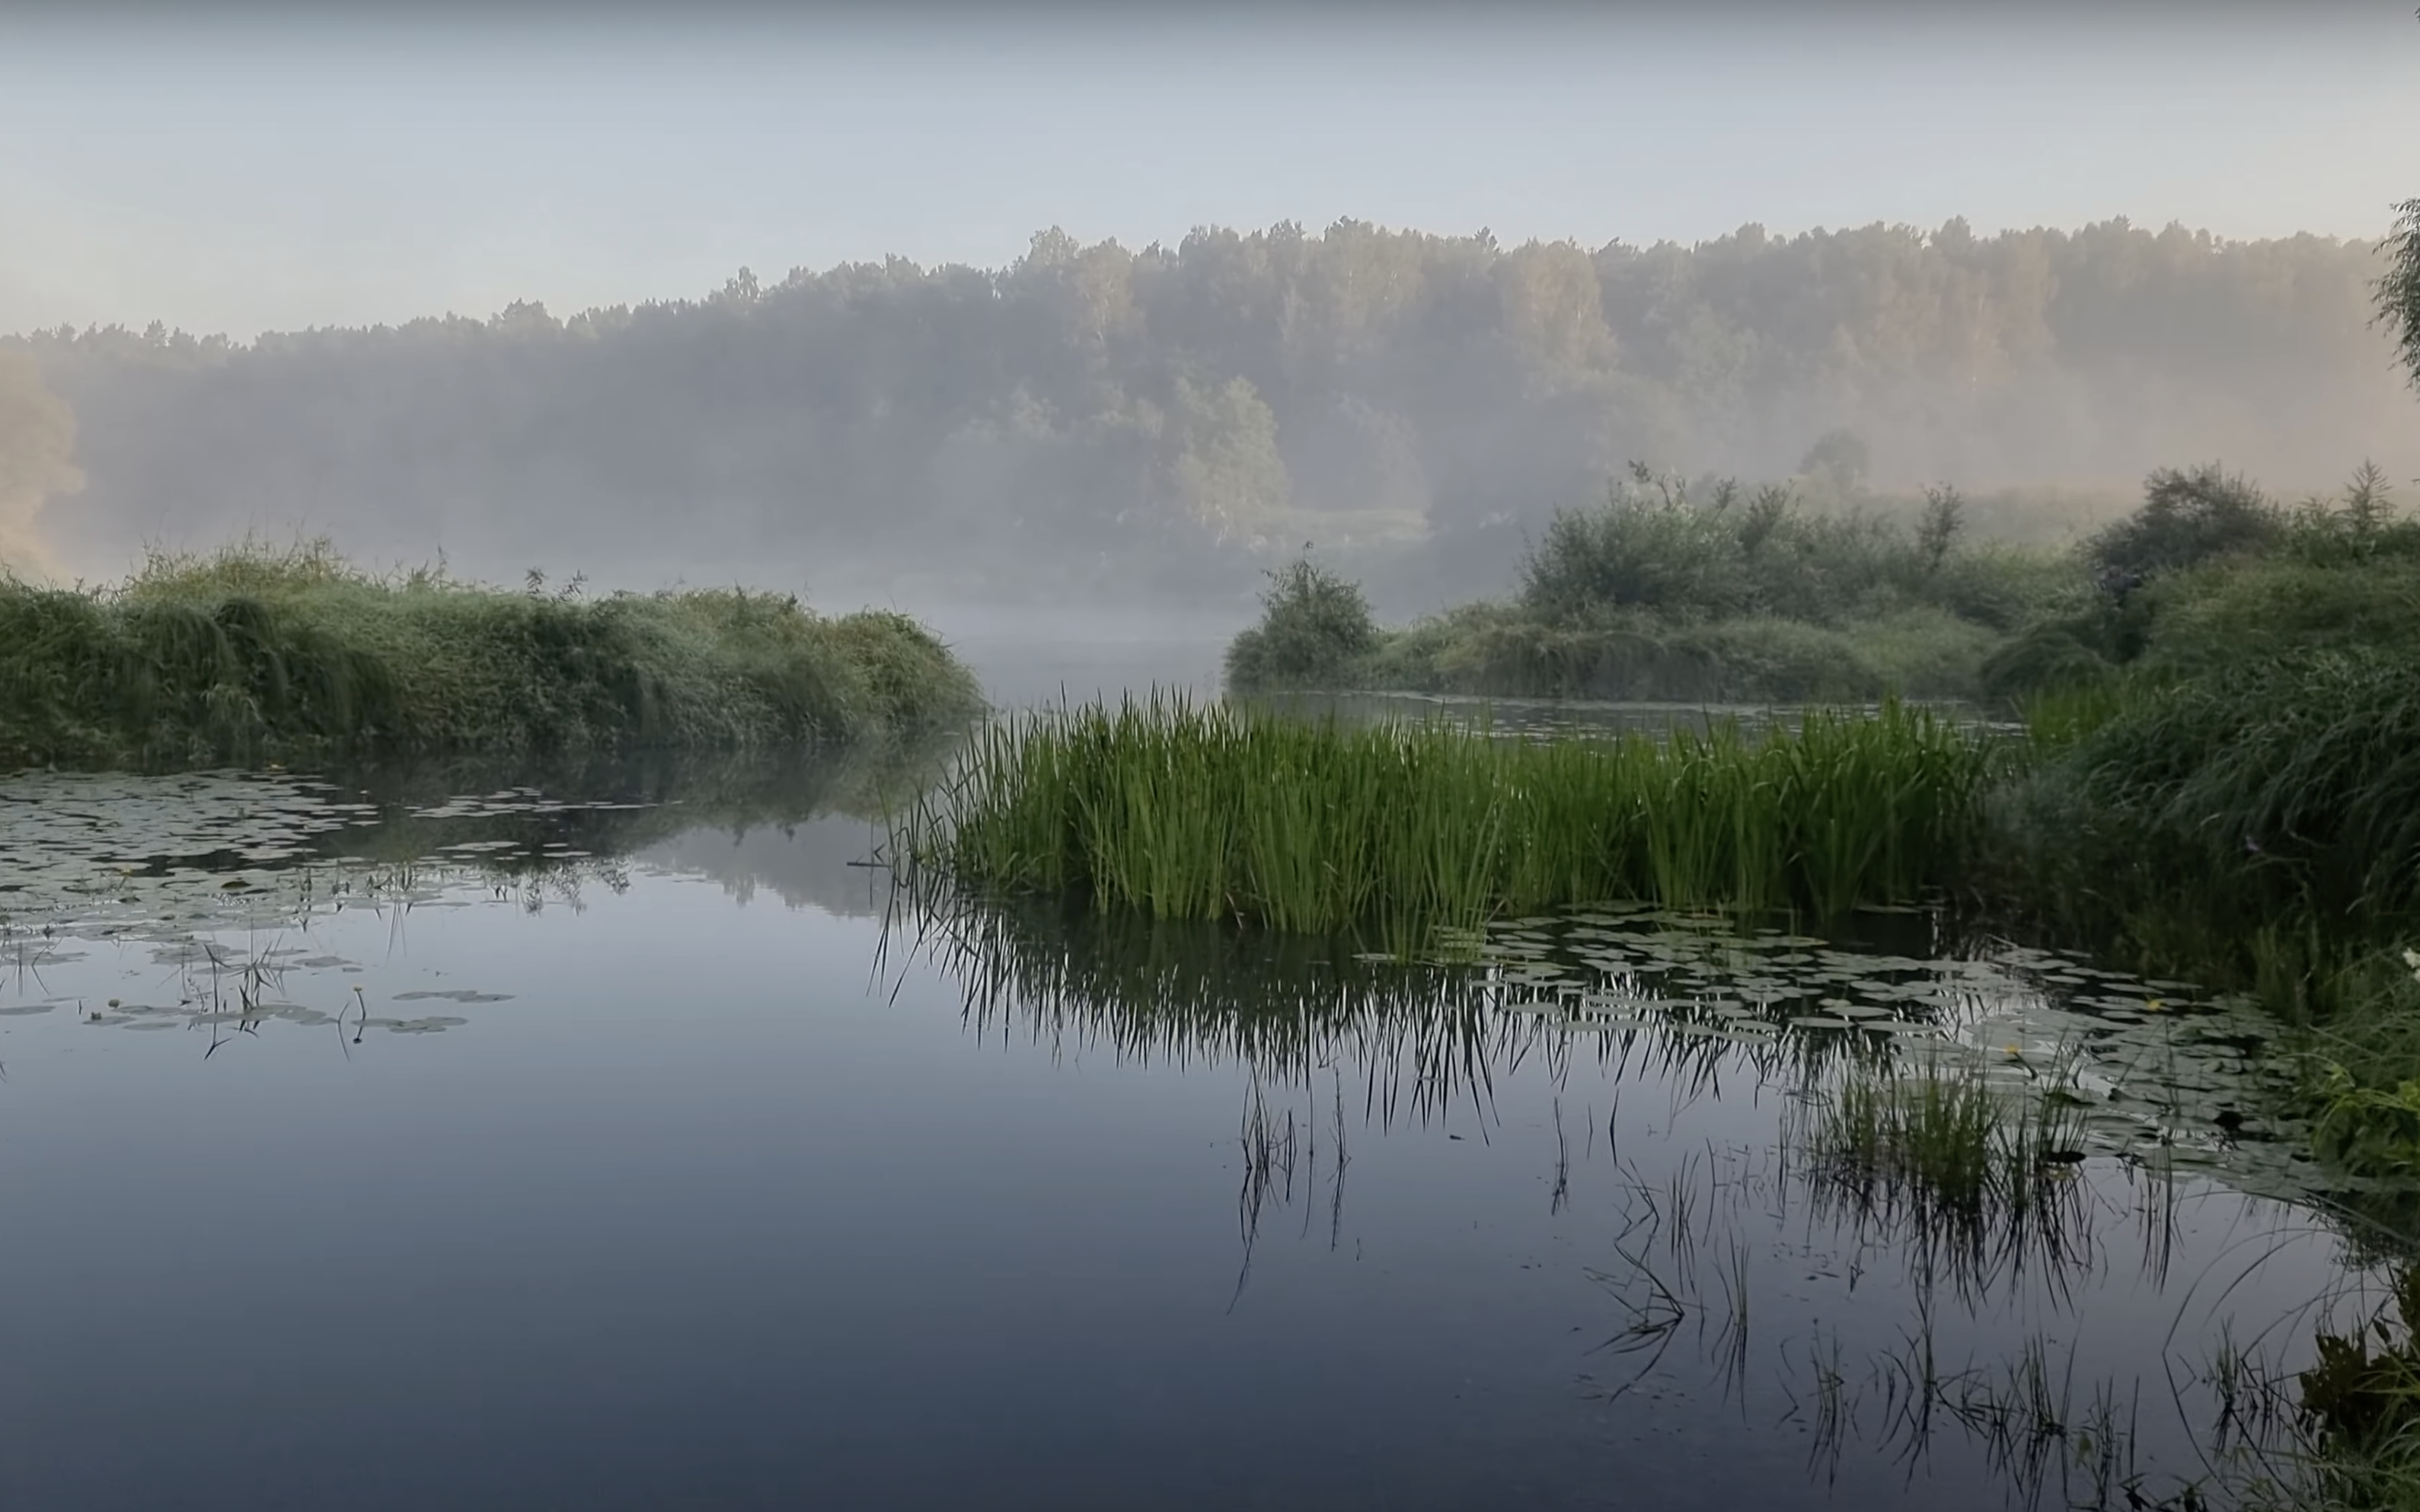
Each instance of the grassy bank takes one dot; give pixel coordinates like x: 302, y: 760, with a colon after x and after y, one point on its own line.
x: 1188, y: 813
x: 2224, y: 691
x: 2224, y: 779
x: 2222, y: 782
x: 1663, y: 594
x: 296, y: 655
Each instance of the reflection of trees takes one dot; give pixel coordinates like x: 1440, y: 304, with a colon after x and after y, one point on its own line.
x: 611, y: 807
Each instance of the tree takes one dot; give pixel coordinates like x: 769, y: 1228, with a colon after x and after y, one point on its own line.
x: 1228, y: 471
x: 36, y: 443
x: 1944, y: 520
x: 2398, y: 289
x: 1841, y: 459
x: 2188, y: 516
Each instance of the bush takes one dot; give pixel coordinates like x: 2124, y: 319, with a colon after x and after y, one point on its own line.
x: 2242, y: 611
x: 1666, y: 555
x: 1732, y: 555
x: 257, y: 653
x: 2187, y: 517
x: 1315, y: 628
x: 2061, y: 656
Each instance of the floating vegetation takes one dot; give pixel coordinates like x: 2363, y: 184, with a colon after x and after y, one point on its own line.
x: 2120, y: 1068
x: 1192, y: 812
x: 220, y: 879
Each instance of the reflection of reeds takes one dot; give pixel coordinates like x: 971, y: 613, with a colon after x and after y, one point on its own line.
x: 1978, y: 1184
x: 1268, y: 1149
x: 1970, y: 1176
x: 1427, y: 1033
x: 1183, y: 994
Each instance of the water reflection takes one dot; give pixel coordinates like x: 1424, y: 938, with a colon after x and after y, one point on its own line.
x: 1684, y: 1072
x: 1582, y: 1160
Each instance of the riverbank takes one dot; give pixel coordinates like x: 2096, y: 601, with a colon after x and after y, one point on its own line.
x: 298, y: 654
x: 1703, y: 591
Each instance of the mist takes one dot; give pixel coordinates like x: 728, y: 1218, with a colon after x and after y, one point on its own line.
x: 776, y: 312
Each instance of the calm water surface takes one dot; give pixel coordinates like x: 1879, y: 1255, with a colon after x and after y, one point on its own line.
x: 616, y: 1139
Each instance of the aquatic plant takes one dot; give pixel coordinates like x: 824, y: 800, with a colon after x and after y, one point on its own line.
x: 1965, y: 1141
x: 255, y: 654
x: 1974, y: 1179
x: 1185, y: 811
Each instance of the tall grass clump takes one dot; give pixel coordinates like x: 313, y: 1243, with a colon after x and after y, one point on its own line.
x: 2256, y: 824
x: 1185, y: 811
x: 1966, y: 1144
x: 256, y: 653
x: 1976, y: 1176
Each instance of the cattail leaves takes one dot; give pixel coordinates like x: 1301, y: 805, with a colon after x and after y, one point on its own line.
x: 1194, y: 812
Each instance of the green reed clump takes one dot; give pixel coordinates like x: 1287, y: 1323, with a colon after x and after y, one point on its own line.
x: 1204, y: 812
x: 1950, y: 1132
x: 1977, y: 1179
x: 263, y: 654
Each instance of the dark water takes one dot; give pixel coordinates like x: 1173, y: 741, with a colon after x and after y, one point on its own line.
x: 616, y: 1139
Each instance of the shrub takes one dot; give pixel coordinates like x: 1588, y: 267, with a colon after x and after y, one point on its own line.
x: 2187, y: 517
x: 289, y: 655
x: 1665, y: 554
x: 1315, y: 627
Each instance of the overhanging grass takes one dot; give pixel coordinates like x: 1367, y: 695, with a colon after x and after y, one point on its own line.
x: 2256, y: 824
x: 294, y: 655
x: 1191, y: 812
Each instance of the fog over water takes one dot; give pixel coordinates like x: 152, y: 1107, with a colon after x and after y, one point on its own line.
x: 642, y: 1056
x: 986, y: 316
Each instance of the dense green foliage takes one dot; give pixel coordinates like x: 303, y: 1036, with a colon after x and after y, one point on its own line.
x: 2248, y: 718
x: 1315, y: 630
x: 1175, y: 415
x: 2186, y: 517
x: 2226, y: 775
x: 1674, y: 591
x: 2398, y: 289
x: 1678, y: 590
x: 1220, y: 813
x: 251, y: 653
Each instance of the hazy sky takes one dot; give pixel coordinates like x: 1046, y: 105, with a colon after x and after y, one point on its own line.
x: 246, y: 170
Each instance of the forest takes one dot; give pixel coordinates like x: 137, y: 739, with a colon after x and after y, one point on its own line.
x: 1159, y: 426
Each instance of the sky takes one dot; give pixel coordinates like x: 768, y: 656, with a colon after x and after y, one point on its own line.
x: 239, y: 170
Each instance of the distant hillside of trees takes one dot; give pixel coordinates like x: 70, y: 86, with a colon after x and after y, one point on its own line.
x: 1172, y: 419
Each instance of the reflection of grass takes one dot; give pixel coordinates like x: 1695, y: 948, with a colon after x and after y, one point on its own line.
x: 2360, y: 1401
x: 1977, y: 1183
x: 1968, y: 1145
x: 1281, y: 1006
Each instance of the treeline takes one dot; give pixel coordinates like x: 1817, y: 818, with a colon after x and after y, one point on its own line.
x: 1175, y: 417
